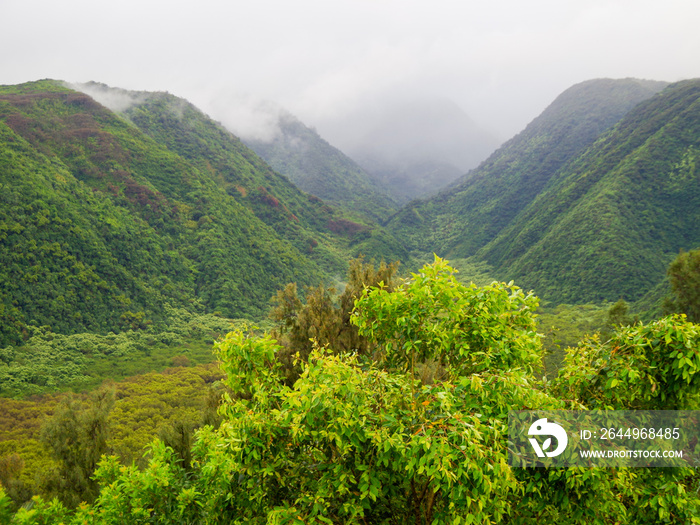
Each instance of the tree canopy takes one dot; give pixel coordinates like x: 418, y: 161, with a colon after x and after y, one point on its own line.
x: 367, y: 438
x: 684, y: 277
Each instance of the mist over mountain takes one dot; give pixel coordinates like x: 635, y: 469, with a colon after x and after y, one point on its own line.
x: 315, y: 166
x: 412, y: 147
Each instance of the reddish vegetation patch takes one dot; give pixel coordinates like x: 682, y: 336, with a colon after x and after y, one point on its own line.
x: 268, y: 198
x: 82, y: 101
x: 28, y: 129
x: 28, y: 99
x: 312, y: 243
x: 77, y: 134
x: 345, y: 227
x: 143, y: 196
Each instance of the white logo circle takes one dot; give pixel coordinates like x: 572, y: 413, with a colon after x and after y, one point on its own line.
x: 542, y: 427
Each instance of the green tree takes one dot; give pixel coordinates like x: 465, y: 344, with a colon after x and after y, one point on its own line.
x: 361, y: 438
x: 16, y: 489
x: 5, y: 506
x: 651, y: 367
x: 347, y: 445
x: 618, y: 314
x: 469, y: 329
x: 76, y: 436
x: 324, y: 316
x: 684, y: 276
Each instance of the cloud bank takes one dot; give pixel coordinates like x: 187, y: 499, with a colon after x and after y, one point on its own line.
x: 502, y: 62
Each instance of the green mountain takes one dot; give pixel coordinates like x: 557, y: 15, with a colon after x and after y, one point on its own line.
x: 316, y: 167
x: 471, y: 212
x: 579, y: 207
x: 107, y: 217
x: 110, y: 215
x: 609, y: 223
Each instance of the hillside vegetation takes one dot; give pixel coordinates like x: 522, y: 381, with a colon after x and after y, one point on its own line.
x: 610, y: 222
x: 318, y: 168
x: 106, y: 220
x: 589, y: 204
x: 132, y: 239
x: 465, y: 217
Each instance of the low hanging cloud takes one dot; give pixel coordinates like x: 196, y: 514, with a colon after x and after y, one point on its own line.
x: 115, y: 99
x: 248, y: 117
x: 502, y: 62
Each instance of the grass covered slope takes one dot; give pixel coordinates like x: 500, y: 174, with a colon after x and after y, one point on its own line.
x: 461, y: 220
x: 610, y: 222
x: 103, y: 223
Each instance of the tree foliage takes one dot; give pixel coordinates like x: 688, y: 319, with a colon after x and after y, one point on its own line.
x: 77, y: 438
x: 346, y: 444
x: 465, y: 328
x: 649, y: 367
x: 324, y: 316
x: 361, y: 439
x: 684, y: 277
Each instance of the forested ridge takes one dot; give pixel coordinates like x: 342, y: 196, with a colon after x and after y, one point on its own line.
x: 104, y: 224
x: 318, y: 168
x: 589, y: 203
x: 608, y: 225
x: 341, y: 389
x: 466, y: 216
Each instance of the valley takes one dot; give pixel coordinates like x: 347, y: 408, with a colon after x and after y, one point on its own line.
x: 137, y: 234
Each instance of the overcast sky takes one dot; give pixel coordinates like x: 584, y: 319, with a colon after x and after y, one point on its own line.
x: 502, y: 61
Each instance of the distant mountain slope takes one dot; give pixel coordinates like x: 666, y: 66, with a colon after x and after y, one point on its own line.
x: 415, y: 148
x: 316, y: 167
x: 462, y: 219
x: 105, y: 222
x: 608, y: 224
x: 249, y: 180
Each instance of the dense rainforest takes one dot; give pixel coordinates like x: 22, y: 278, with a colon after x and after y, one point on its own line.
x: 108, y: 219
x: 356, y: 377
x: 590, y: 203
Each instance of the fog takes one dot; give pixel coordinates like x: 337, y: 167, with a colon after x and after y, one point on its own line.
x: 113, y: 98
x: 249, y: 117
x: 500, y: 62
